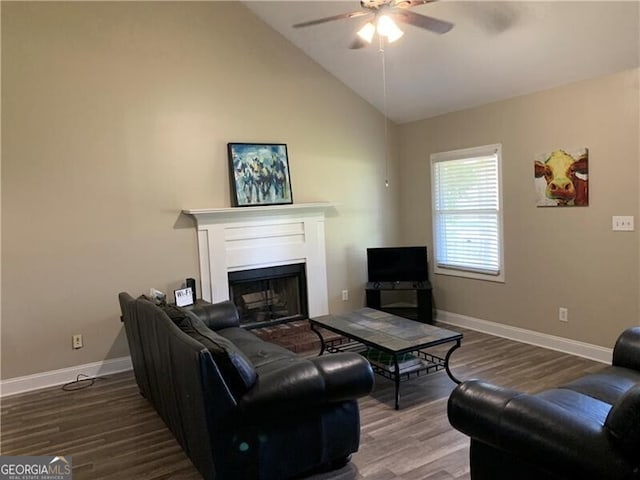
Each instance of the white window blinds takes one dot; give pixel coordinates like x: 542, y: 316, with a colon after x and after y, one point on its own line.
x: 467, y: 218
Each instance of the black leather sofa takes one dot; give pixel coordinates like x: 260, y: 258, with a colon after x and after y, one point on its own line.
x: 240, y: 407
x: 586, y: 429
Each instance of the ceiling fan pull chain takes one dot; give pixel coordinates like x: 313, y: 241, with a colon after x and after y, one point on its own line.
x: 384, y: 108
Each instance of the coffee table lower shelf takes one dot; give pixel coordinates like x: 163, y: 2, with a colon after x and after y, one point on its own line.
x: 424, y: 364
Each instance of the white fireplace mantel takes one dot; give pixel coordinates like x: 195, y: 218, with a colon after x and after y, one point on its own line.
x: 221, y: 215
x: 245, y: 238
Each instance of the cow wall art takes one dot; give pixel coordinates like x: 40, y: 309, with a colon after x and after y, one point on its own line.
x: 562, y: 178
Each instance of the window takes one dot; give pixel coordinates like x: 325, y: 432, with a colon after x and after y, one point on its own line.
x: 467, y: 212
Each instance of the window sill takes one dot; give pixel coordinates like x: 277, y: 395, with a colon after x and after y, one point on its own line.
x: 472, y: 275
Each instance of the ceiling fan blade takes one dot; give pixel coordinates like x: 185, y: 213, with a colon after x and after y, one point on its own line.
x: 331, y: 19
x: 422, y: 21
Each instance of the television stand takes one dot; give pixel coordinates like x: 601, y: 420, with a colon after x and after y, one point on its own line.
x: 422, y: 312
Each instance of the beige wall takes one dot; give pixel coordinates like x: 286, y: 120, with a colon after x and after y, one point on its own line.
x: 115, y: 116
x: 553, y: 256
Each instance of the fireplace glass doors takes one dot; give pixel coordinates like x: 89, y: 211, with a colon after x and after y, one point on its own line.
x: 269, y: 296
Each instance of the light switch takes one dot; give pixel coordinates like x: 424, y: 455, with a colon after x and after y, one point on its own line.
x: 622, y: 223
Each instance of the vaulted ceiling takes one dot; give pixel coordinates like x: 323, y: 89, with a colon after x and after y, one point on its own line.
x: 496, y: 50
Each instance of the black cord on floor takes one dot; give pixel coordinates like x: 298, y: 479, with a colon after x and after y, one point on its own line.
x: 79, y: 384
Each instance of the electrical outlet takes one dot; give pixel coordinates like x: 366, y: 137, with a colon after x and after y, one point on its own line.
x: 345, y: 295
x: 620, y: 223
x: 76, y: 341
x: 563, y: 314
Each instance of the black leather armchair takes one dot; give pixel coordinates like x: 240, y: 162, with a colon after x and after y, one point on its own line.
x: 586, y: 429
x: 240, y: 407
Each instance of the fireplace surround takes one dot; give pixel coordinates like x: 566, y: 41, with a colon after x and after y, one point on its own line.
x: 239, y: 239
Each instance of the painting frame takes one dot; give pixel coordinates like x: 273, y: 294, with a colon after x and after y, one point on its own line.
x: 561, y: 178
x: 259, y: 174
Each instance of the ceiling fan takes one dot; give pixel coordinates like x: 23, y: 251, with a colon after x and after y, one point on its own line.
x: 383, y: 13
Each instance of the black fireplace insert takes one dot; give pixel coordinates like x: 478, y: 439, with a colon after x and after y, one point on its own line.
x: 269, y: 296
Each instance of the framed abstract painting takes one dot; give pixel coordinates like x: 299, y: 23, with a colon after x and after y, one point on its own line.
x: 259, y: 174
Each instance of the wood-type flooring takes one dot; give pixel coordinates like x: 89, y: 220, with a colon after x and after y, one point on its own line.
x: 113, y: 433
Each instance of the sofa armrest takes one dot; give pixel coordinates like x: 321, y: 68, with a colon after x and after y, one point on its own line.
x: 537, y: 431
x: 303, y: 384
x: 623, y: 422
x: 346, y: 375
x: 626, y: 352
x: 217, y: 316
x: 474, y: 408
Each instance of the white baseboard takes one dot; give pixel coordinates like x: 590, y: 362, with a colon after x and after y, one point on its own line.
x: 13, y: 386
x: 565, y: 345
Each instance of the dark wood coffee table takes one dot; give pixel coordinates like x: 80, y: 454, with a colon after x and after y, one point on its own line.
x: 394, y: 346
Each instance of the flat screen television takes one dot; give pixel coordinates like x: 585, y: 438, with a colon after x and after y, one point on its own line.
x: 397, y: 264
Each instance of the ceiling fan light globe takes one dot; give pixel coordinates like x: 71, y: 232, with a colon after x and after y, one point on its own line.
x: 388, y: 28
x: 392, y: 37
x: 384, y: 24
x: 366, y: 32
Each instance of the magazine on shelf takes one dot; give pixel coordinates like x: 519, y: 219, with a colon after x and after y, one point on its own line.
x: 406, y: 361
